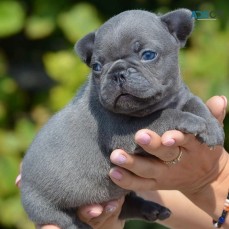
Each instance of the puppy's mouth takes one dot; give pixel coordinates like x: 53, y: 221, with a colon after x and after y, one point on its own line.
x: 126, y: 98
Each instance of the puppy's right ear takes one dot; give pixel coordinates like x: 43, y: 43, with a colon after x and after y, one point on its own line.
x: 180, y: 24
x: 84, y: 47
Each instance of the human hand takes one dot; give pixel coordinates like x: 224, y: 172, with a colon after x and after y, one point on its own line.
x: 196, y: 168
x: 103, y: 216
x: 98, y: 216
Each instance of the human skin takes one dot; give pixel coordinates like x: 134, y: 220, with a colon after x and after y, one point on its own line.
x: 203, y: 178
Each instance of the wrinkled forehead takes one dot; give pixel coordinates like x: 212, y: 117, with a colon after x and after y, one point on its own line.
x: 124, y: 30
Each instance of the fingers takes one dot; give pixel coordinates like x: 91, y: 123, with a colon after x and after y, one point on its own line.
x: 134, y: 163
x: 88, y: 212
x: 18, y: 178
x: 217, y: 105
x: 130, y: 181
x: 100, y: 216
x: 163, y: 148
x: 18, y: 181
x: 47, y: 227
x: 148, y: 139
x: 180, y: 139
x: 141, y: 173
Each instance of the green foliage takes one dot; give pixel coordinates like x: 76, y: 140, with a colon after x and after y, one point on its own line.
x: 135, y: 224
x: 49, y: 30
x: 12, y: 17
x: 78, y: 21
x: 38, y: 27
x: 67, y: 69
x: 205, y: 66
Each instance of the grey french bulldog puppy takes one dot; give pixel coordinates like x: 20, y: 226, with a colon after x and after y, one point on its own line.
x: 135, y: 83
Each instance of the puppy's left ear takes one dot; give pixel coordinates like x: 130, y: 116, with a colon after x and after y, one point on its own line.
x: 180, y: 24
x: 84, y: 47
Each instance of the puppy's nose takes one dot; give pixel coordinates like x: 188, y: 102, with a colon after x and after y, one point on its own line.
x: 120, y: 77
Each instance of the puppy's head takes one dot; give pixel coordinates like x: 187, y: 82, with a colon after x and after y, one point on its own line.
x: 134, y: 59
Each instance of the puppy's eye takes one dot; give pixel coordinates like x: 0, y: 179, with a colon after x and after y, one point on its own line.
x: 97, y: 67
x: 148, y: 55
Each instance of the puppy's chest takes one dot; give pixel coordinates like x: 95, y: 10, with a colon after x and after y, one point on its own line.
x: 123, y: 142
x: 120, y: 135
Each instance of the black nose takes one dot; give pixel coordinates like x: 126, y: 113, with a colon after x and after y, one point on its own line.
x: 120, y: 76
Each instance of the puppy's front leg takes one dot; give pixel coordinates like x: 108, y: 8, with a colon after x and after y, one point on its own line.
x: 214, y: 134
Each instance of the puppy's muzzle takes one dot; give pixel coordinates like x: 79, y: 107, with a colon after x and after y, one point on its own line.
x: 120, y: 75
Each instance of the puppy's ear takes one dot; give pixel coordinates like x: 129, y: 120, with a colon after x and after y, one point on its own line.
x: 84, y: 47
x: 180, y: 24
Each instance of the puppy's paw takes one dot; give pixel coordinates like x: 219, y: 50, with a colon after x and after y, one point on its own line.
x: 191, y: 124
x: 209, y: 132
x: 152, y: 211
x: 213, y: 136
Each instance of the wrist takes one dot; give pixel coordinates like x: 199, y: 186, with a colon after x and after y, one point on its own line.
x: 211, y: 195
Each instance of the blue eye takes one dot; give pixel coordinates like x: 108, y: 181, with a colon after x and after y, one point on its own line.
x: 148, y: 55
x: 97, y: 67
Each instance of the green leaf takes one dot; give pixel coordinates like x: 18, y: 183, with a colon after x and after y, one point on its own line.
x: 9, y: 142
x: 69, y: 71
x: 12, y: 18
x: 7, y: 86
x: 24, y: 132
x: 12, y: 213
x: 39, y: 27
x: 205, y: 66
x: 9, y: 168
x: 80, y: 20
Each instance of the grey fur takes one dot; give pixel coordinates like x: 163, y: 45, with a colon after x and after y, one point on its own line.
x: 68, y: 162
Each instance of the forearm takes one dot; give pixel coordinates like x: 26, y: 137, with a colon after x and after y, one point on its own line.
x: 184, y: 213
x: 201, y: 201
x: 212, y: 196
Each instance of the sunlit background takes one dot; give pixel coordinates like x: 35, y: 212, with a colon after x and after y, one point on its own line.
x: 40, y: 73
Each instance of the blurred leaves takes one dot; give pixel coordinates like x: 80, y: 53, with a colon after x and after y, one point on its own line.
x: 65, y: 68
x: 205, y: 66
x: 12, y: 17
x: 39, y: 27
x: 137, y: 224
x: 78, y: 21
x: 13, y: 215
x: 8, y: 171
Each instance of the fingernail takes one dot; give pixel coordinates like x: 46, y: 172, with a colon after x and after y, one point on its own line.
x: 94, y: 213
x: 144, y: 139
x: 169, y: 142
x: 118, y: 158
x: 225, y: 101
x: 18, y: 179
x: 110, y: 208
x: 114, y: 173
